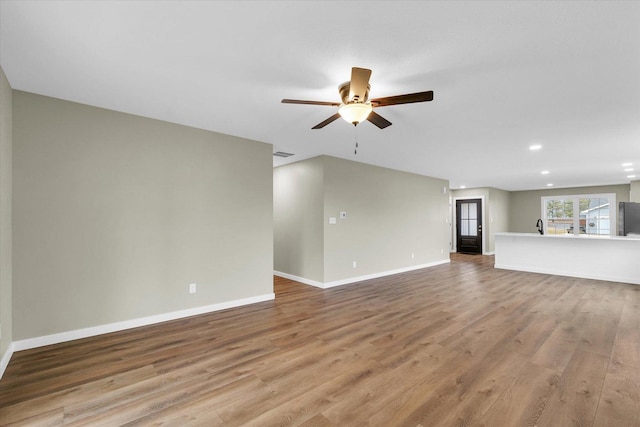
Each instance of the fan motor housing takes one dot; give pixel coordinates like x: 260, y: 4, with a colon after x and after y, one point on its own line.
x: 344, y: 93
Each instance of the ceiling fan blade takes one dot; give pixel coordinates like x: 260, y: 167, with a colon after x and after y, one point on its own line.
x: 378, y: 120
x: 359, y: 84
x: 298, y: 101
x: 403, y: 99
x: 320, y: 125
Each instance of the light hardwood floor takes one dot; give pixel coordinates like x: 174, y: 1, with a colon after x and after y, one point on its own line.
x: 461, y: 344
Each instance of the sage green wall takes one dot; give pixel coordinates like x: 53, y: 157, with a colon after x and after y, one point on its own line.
x: 390, y: 214
x: 6, y: 138
x: 634, y: 193
x: 114, y: 215
x: 526, y: 205
x: 298, y: 197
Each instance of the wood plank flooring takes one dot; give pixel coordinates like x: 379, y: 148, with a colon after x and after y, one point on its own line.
x: 461, y: 344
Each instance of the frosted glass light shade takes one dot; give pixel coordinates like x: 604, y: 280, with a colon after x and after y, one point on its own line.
x: 355, y: 113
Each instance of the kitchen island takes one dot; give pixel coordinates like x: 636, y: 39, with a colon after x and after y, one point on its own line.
x: 610, y: 258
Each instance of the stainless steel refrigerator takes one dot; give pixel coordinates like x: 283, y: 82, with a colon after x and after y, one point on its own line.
x: 629, y: 219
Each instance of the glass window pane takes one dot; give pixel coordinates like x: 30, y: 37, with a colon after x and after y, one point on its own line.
x: 465, y: 228
x: 568, y: 209
x: 473, y: 210
x: 559, y: 216
x: 585, y: 204
x: 594, y: 216
x: 473, y: 227
x: 464, y: 210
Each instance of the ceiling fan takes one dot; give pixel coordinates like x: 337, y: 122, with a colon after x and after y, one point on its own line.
x: 356, y: 106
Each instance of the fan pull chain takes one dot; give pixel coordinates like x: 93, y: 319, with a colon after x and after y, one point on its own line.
x: 355, y: 138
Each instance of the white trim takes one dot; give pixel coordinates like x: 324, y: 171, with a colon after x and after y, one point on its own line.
x: 134, y: 323
x: 383, y: 274
x: 299, y: 279
x: 6, y: 357
x: 341, y: 282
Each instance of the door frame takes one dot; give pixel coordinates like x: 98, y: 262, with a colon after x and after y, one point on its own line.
x: 454, y: 222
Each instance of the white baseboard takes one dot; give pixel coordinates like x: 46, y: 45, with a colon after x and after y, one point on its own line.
x: 134, y: 323
x: 454, y: 251
x: 383, y: 274
x: 299, y: 279
x: 325, y: 285
x: 6, y: 357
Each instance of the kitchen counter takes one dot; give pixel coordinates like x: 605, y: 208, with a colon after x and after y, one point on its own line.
x: 611, y: 258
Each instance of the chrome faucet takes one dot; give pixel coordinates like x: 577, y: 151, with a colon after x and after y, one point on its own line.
x: 539, y: 224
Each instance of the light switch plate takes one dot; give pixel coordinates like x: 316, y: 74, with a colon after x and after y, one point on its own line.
x: 332, y: 220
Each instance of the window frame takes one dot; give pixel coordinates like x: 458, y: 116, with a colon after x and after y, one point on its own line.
x: 575, y: 198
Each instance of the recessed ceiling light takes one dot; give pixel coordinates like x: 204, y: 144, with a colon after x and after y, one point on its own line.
x: 463, y: 187
x: 545, y: 172
x: 631, y: 176
x: 628, y: 170
x: 535, y: 147
x: 624, y: 165
x: 549, y: 185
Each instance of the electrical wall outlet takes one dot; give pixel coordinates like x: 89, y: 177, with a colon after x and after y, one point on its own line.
x: 192, y: 288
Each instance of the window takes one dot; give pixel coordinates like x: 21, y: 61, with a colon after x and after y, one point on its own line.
x: 468, y: 220
x: 559, y: 216
x: 587, y: 215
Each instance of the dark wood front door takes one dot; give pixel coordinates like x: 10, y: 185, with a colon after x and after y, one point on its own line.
x: 469, y: 226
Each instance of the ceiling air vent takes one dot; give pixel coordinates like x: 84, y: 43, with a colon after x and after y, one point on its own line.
x: 282, y: 154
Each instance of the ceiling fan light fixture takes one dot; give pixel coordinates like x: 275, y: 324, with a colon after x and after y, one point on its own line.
x: 356, y: 106
x: 355, y: 112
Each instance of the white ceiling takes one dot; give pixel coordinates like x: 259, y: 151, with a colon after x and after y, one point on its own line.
x: 505, y: 75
